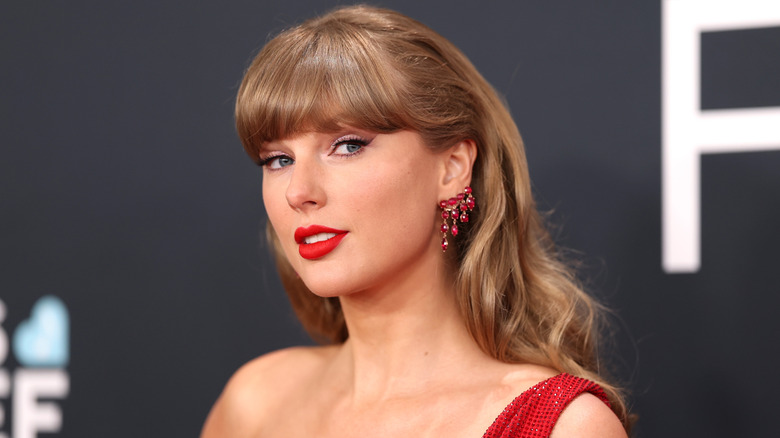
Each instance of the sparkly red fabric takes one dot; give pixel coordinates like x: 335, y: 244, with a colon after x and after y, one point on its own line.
x: 534, y: 413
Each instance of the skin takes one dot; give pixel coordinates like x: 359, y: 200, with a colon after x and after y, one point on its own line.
x: 409, y: 367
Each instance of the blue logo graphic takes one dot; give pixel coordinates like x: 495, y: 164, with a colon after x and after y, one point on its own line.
x: 42, y: 340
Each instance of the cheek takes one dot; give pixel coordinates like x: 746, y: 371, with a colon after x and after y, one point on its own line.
x: 277, y: 209
x: 270, y: 202
x: 399, y: 199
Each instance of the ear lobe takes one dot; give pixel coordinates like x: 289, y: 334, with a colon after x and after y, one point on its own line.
x: 459, y: 161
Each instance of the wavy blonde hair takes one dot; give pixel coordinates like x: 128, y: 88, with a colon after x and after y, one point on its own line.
x: 380, y: 70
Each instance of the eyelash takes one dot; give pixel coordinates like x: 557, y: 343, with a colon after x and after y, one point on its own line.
x: 350, y: 139
x: 264, y: 162
x: 346, y: 140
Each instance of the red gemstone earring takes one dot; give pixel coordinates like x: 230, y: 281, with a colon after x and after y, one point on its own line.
x: 457, y: 209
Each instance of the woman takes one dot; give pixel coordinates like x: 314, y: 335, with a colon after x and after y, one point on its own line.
x: 405, y: 233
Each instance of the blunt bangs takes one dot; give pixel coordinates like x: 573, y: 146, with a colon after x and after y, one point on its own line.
x: 318, y: 77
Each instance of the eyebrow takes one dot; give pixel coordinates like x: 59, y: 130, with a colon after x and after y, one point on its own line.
x: 340, y: 131
x: 263, y: 146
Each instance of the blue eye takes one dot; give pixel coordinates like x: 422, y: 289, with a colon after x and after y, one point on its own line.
x: 349, y: 147
x: 276, y: 162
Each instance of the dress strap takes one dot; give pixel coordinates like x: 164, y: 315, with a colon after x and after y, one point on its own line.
x: 534, y: 412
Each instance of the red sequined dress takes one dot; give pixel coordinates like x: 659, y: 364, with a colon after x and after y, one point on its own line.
x: 534, y: 413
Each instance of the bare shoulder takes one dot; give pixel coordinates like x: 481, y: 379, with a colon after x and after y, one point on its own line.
x: 258, y: 386
x: 587, y: 416
x: 521, y: 377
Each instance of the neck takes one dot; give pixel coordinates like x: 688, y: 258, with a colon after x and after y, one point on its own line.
x: 406, y: 336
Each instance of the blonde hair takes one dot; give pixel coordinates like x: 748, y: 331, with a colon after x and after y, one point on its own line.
x: 380, y: 70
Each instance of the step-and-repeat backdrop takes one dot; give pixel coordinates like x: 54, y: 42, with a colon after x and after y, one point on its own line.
x: 134, y: 281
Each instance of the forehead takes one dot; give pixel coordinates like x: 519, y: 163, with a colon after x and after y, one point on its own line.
x: 308, y: 85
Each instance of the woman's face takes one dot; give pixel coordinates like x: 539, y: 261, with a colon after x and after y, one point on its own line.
x: 353, y: 210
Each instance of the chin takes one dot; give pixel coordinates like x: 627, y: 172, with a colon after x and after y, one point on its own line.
x: 343, y: 284
x: 327, y: 289
x: 328, y: 286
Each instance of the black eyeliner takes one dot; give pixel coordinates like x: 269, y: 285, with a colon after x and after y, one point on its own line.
x: 264, y: 161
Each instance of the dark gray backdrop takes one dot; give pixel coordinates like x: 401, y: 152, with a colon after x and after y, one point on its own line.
x: 125, y: 192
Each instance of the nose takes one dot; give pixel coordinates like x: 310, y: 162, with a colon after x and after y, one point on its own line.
x: 304, y: 190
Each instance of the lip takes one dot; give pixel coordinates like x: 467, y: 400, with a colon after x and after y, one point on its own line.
x: 318, y: 249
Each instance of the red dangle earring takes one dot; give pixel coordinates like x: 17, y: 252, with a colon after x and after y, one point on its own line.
x: 456, y: 209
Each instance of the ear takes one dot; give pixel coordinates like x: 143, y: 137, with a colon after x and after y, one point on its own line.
x: 458, y: 164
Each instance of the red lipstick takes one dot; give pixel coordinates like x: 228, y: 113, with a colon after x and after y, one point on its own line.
x: 319, y: 249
